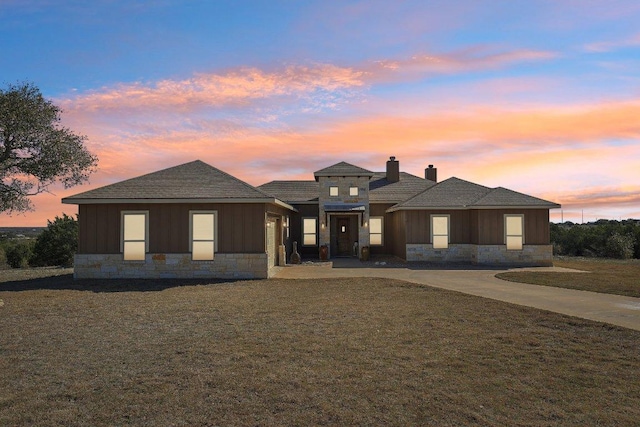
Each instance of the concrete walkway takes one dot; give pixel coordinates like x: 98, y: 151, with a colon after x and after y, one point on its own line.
x: 613, y: 309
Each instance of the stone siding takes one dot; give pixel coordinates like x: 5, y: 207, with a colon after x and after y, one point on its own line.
x: 343, y: 184
x: 538, y: 255
x: 455, y: 253
x: 171, y: 266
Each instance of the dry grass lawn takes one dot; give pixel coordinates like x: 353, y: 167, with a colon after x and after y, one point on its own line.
x: 605, y: 276
x: 302, y: 352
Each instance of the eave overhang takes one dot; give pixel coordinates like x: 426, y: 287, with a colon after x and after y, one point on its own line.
x: 344, y: 207
x: 466, y: 208
x: 83, y: 201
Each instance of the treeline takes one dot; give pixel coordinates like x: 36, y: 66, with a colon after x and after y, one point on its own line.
x: 603, y: 238
x: 55, y: 246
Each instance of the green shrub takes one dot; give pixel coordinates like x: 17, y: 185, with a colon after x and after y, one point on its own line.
x: 3, y: 258
x: 18, y: 254
x: 619, y: 246
x: 57, y: 244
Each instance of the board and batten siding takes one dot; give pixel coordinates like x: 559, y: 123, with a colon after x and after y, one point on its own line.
x: 418, y: 225
x: 389, y: 235
x: 477, y: 226
x: 295, y: 232
x: 241, y: 227
x: 490, y: 226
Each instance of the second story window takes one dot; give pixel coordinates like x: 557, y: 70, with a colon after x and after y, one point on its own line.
x: 353, y: 191
x: 333, y: 191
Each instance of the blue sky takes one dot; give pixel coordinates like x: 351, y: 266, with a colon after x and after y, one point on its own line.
x: 541, y: 97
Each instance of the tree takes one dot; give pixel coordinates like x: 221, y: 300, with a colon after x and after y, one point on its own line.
x: 35, y: 150
x: 18, y: 254
x: 57, y: 244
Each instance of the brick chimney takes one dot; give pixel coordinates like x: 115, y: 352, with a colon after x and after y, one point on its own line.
x: 431, y: 173
x: 393, y: 170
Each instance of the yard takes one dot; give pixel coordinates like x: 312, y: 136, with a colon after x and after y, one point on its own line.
x: 302, y: 352
x: 605, y: 275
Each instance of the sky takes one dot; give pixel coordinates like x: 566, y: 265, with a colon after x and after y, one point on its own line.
x: 541, y: 97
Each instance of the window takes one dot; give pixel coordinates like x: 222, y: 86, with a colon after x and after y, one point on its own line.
x: 309, y: 233
x: 375, y: 231
x: 333, y: 191
x: 514, y: 232
x: 353, y: 191
x: 135, y: 231
x: 440, y: 231
x: 203, y: 235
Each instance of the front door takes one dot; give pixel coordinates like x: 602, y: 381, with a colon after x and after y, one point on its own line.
x: 344, y: 237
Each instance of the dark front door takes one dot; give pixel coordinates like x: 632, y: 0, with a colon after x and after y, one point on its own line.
x: 344, y: 237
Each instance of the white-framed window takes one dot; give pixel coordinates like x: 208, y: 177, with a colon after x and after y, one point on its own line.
x: 440, y: 231
x: 134, y: 243
x: 353, y: 191
x: 376, y: 230
x: 514, y: 232
x: 333, y: 191
x: 309, y: 231
x: 203, y: 231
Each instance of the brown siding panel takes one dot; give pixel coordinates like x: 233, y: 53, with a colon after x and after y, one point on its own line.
x: 419, y: 225
x: 295, y: 234
x: 491, y: 226
x: 240, y: 227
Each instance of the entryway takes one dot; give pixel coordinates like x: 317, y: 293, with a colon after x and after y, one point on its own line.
x: 344, y: 235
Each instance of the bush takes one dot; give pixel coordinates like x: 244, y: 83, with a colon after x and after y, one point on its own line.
x: 18, y: 254
x: 3, y: 258
x: 619, y: 246
x: 57, y: 244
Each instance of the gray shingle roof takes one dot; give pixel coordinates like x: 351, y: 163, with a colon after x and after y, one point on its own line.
x: 381, y: 190
x: 194, y: 180
x: 292, y: 191
x: 504, y: 197
x: 343, y: 169
x: 458, y: 193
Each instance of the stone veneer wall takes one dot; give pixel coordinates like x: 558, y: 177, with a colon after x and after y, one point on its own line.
x: 455, y: 253
x: 540, y: 255
x: 171, y: 266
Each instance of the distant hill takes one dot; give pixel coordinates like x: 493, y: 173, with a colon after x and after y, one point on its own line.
x: 20, y: 232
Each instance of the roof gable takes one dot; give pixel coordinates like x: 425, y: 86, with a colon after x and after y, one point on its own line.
x: 456, y: 193
x: 504, y: 197
x: 343, y: 169
x: 193, y: 180
x: 452, y: 192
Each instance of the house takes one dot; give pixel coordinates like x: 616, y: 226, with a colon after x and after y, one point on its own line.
x: 194, y: 220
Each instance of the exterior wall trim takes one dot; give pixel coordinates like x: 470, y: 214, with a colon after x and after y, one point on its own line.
x: 466, y: 208
x: 72, y: 201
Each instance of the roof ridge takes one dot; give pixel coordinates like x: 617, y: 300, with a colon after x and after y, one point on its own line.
x: 235, y: 178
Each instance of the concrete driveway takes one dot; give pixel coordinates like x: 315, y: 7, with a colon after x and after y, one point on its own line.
x: 613, y: 309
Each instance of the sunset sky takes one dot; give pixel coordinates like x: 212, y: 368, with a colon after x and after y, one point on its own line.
x: 542, y: 97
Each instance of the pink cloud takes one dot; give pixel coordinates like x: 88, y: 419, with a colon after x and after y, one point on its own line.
x: 215, y: 90
x: 608, y: 46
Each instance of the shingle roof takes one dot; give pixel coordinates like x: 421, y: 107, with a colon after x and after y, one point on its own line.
x: 343, y: 169
x: 458, y: 193
x: 292, y: 191
x: 194, y: 180
x: 381, y: 190
x: 504, y: 197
